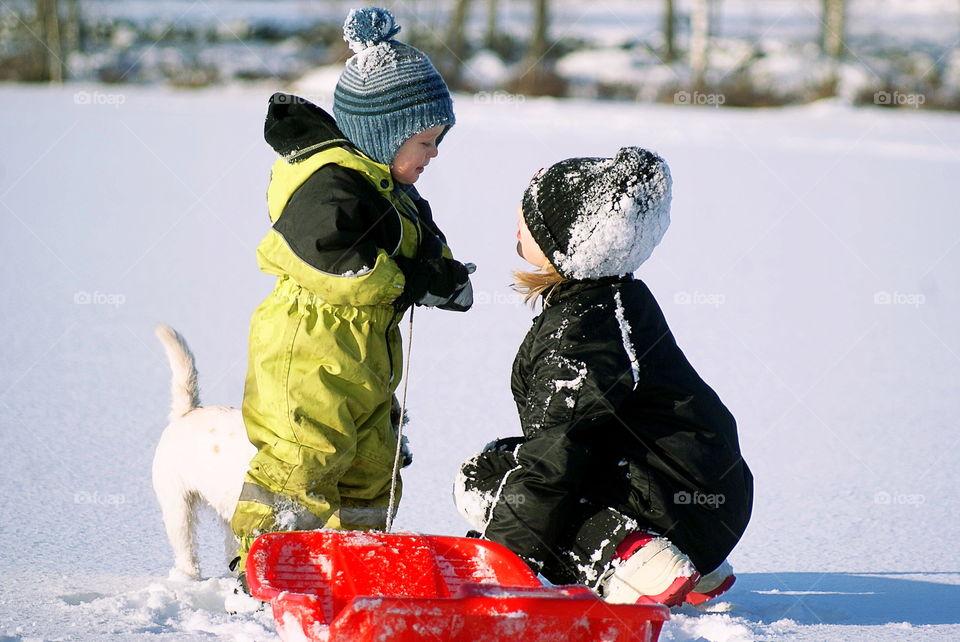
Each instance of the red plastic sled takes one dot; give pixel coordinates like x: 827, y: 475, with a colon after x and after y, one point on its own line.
x: 364, y: 586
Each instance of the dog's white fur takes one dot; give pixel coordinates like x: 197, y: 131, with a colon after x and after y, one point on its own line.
x: 202, y: 456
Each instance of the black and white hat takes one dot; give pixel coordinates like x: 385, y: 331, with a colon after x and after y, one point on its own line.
x: 597, y: 217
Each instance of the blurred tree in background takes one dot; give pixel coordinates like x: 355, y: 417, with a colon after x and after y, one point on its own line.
x: 37, y: 37
x: 456, y: 42
x: 833, y: 16
x: 537, y: 76
x: 669, y: 31
x: 743, y: 52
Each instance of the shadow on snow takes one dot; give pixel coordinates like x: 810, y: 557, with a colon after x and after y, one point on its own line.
x: 845, y: 598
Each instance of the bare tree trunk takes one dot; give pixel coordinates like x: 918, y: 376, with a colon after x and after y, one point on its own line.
x: 714, y: 18
x: 537, y: 76
x: 50, y: 52
x: 699, y: 42
x: 541, y: 24
x: 490, y: 39
x: 669, y: 21
x: 457, y: 41
x: 833, y: 32
x: 72, y: 38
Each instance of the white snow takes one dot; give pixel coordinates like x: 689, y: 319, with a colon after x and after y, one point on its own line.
x: 620, y: 217
x: 376, y: 59
x: 473, y: 505
x: 359, y: 272
x: 846, y: 403
x: 367, y: 28
x: 486, y: 71
x: 323, y: 562
x: 578, y: 368
x: 488, y: 509
x: 627, y: 343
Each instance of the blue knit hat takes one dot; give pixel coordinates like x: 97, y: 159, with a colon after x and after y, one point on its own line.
x: 389, y: 90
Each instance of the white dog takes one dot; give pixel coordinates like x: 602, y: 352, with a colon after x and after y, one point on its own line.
x: 202, y: 456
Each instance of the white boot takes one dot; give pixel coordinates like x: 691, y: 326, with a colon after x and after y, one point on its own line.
x: 649, y: 569
x: 712, y: 584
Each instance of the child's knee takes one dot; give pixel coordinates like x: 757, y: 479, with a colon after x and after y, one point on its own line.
x: 367, y: 479
x: 371, y: 470
x: 506, y: 444
x: 471, y: 502
x: 479, y: 478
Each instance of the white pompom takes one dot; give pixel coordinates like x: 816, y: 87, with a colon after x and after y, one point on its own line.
x: 365, y: 28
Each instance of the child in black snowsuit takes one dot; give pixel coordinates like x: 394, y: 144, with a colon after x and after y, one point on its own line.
x: 628, y: 477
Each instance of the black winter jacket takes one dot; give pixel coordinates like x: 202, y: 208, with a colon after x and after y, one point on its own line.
x: 602, y: 387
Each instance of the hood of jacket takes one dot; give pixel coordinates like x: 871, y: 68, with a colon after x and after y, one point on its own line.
x: 296, y: 128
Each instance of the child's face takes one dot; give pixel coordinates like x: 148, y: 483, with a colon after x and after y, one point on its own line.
x: 527, y: 248
x: 414, y: 155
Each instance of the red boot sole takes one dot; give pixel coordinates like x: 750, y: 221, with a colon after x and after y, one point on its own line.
x: 675, y: 595
x: 700, y: 598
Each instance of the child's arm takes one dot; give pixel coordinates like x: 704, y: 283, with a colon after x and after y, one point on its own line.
x: 434, y: 278
x: 325, y: 240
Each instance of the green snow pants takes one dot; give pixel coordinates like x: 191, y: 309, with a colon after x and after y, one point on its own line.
x: 317, y: 406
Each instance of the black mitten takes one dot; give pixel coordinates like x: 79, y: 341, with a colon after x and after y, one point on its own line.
x: 437, y: 282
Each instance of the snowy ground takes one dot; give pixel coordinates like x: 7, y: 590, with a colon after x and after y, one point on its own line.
x: 811, y: 275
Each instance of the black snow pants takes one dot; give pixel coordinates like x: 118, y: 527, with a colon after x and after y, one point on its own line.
x: 596, y: 526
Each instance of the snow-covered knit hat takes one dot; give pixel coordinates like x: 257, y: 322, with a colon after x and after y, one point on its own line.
x: 596, y: 217
x: 389, y: 91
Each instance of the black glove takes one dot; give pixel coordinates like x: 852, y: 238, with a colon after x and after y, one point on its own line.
x: 505, y: 444
x: 438, y: 282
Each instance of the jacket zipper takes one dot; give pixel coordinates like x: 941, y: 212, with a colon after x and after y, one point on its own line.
x: 393, y: 317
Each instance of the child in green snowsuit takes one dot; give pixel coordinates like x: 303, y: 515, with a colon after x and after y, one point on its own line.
x: 353, y: 246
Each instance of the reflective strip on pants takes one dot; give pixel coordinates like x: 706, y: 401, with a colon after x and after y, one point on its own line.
x: 375, y: 516
x: 304, y: 520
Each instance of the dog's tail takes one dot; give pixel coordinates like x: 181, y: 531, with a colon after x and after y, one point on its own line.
x: 183, y: 384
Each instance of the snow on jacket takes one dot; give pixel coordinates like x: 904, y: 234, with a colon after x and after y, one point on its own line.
x: 601, y: 385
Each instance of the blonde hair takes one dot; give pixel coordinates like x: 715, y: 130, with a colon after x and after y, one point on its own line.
x: 537, y: 285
